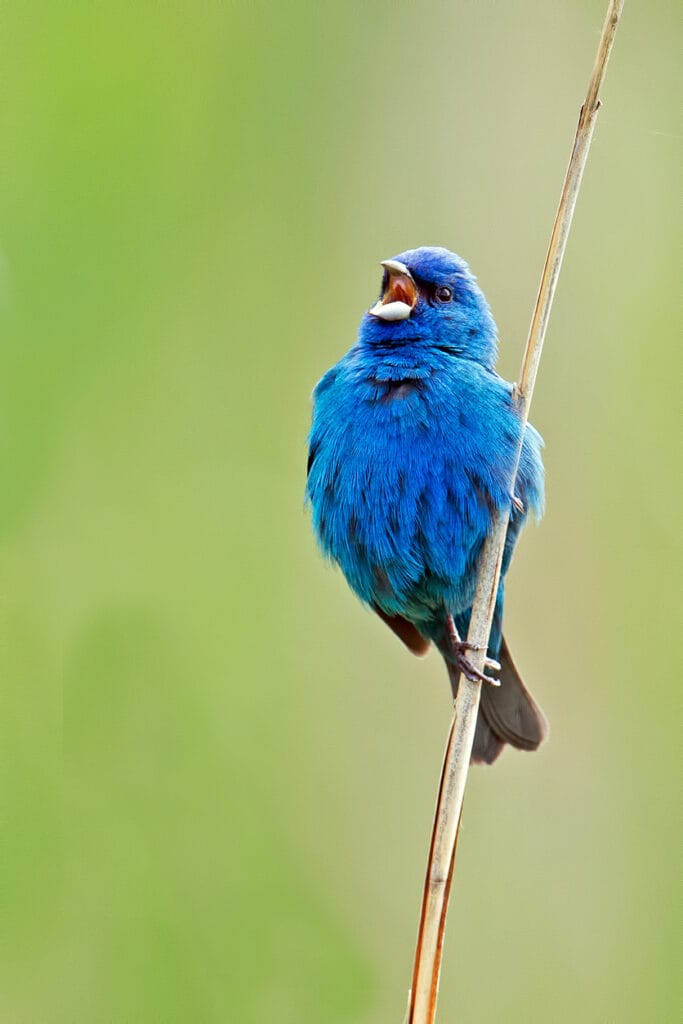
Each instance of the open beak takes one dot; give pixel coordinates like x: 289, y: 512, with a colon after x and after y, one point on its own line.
x: 400, y: 294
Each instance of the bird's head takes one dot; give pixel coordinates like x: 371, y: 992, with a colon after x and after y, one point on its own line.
x: 430, y: 298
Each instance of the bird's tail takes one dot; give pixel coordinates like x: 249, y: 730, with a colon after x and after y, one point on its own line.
x: 507, y: 713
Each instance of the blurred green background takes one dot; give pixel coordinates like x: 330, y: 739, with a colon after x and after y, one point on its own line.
x: 218, y: 770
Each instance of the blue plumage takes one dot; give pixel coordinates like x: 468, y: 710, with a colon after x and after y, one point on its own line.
x: 412, y: 446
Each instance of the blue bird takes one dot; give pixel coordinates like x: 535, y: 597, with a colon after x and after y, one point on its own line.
x: 411, y: 451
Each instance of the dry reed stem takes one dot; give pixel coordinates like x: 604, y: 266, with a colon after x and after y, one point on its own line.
x: 427, y: 967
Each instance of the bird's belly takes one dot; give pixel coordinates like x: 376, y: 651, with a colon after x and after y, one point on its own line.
x: 401, y: 512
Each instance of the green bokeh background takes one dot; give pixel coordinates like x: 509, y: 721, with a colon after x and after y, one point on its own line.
x: 218, y: 771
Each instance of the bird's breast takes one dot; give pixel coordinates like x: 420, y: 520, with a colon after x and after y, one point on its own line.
x: 394, y: 499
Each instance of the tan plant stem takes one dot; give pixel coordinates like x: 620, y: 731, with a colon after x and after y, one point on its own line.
x: 426, y: 971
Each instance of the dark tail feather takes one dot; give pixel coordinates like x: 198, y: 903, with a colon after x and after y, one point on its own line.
x: 487, y: 746
x: 507, y: 714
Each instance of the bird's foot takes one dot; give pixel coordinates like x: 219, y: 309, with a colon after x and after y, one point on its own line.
x: 458, y: 651
x: 460, y: 648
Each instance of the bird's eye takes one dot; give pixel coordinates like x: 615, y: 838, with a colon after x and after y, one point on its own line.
x: 443, y: 294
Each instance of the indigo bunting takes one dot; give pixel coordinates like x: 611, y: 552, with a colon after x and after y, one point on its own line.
x: 411, y: 452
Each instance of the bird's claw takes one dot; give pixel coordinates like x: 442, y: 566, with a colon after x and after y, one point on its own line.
x: 468, y: 669
x: 518, y: 504
x: 458, y: 650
